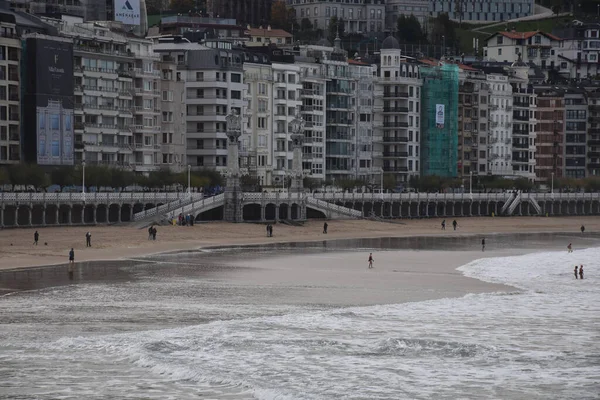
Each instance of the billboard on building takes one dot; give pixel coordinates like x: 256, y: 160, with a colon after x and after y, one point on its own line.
x: 439, y: 115
x: 49, y: 130
x: 128, y: 11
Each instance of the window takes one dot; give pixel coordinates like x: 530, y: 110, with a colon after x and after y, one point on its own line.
x: 236, y: 78
x: 236, y: 94
x: 262, y: 141
x: 167, y: 95
x: 262, y: 106
x: 499, y: 39
x: 499, y: 52
x: 262, y: 123
x: 199, y: 76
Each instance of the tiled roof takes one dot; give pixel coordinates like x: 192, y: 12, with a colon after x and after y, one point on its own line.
x: 354, y: 62
x: 435, y: 63
x: 524, y: 35
x: 268, y: 33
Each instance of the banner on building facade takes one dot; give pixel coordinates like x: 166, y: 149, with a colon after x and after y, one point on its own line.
x: 48, y: 111
x: 127, y: 11
x: 439, y: 115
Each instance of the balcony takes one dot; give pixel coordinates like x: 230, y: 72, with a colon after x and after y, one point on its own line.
x: 521, y: 117
x: 593, y: 154
x: 520, y: 132
x: 393, y: 154
x: 402, y: 95
x: 520, y: 146
x: 521, y: 104
x: 395, y: 109
x: 594, y: 142
x: 394, y: 139
x: 395, y: 124
x: 394, y: 169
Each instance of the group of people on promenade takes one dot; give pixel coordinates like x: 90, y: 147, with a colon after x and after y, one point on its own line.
x: 184, y: 220
x: 269, y: 230
x: 152, y: 232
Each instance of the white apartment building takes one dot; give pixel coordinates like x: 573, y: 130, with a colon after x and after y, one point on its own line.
x: 313, y: 105
x: 539, y: 48
x: 365, y: 120
x: 482, y: 10
x: 214, y: 85
x: 524, y: 122
x: 10, y: 93
x: 397, y: 109
x: 500, y: 132
x: 272, y: 102
x: 360, y: 16
x: 579, y: 51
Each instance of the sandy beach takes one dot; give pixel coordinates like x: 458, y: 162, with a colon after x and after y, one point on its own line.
x: 121, y: 242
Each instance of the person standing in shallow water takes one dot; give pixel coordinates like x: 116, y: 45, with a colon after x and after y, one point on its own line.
x: 483, y: 244
x: 71, y: 263
x: 371, y: 260
x: 575, y: 272
x: 581, y: 272
x: 569, y: 248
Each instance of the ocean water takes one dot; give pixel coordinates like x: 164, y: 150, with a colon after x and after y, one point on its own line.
x: 169, y: 337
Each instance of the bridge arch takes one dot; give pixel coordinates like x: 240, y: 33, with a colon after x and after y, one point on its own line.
x: 284, y: 210
x: 295, y: 211
x: 251, y: 212
x: 270, y: 211
x: 312, y: 213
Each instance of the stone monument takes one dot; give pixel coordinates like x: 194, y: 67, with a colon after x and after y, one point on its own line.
x: 233, y: 193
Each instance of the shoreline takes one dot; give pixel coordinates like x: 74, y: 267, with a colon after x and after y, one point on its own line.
x: 125, y: 243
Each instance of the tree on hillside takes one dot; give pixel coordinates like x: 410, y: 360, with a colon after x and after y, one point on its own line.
x: 443, y: 31
x: 336, y: 27
x: 409, y: 30
x: 182, y: 5
x: 306, y: 25
x: 279, y: 15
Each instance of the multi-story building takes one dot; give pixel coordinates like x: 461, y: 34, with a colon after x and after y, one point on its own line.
x: 472, y: 123
x: 119, y: 115
x: 214, y: 85
x: 10, y: 91
x: 198, y: 28
x: 313, y: 111
x: 397, y: 106
x: 272, y: 101
x: 550, y: 133
x: 576, y: 126
x: 593, y: 136
x: 500, y: 125
x: 539, y: 48
x: 524, y: 122
x: 481, y: 11
x: 173, y: 123
x: 360, y: 16
x: 253, y: 12
x: 364, y: 121
x: 579, y: 50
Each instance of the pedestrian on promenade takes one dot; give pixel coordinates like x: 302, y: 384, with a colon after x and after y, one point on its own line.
x: 88, y: 240
x: 582, y: 228
x: 325, y: 228
x: 36, y: 237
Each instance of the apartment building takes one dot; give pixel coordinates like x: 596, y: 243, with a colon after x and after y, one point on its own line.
x: 500, y: 125
x: 266, y: 36
x: 397, y: 106
x: 212, y: 73
x: 313, y: 111
x: 482, y: 10
x: 524, y: 122
x: 359, y: 16
x: 579, y: 50
x: 365, y: 119
x: 575, y: 135
x: 550, y: 133
x: 10, y: 91
x: 539, y: 48
x: 173, y: 116
x: 593, y: 136
x: 272, y: 101
x: 472, y: 123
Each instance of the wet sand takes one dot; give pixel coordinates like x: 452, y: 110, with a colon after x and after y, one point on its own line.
x: 123, y: 242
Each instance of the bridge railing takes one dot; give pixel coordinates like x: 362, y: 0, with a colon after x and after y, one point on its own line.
x: 168, y: 207
x: 334, y: 207
x: 199, y: 204
x: 90, y: 197
x: 273, y: 196
x: 565, y: 196
x: 376, y: 197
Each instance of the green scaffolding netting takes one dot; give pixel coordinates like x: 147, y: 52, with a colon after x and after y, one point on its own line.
x: 439, y: 130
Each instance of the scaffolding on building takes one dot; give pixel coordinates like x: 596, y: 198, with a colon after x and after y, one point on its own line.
x: 439, y: 122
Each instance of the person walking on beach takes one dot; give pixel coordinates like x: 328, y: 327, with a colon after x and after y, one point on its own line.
x: 371, y: 260
x: 268, y: 233
x: 483, y: 244
x: 153, y: 233
x: 150, y: 232
x: 444, y: 225
x: 270, y: 230
x: 582, y: 228
x: 575, y: 272
x: 36, y: 237
x: 454, y: 224
x: 88, y: 240
x: 71, y: 263
x: 581, y: 272
x: 569, y: 248
x: 325, y: 228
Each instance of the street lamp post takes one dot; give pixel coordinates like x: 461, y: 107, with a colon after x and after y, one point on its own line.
x: 471, y: 182
x: 381, y: 190
x: 83, y: 178
x: 552, y: 187
x: 189, y: 180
